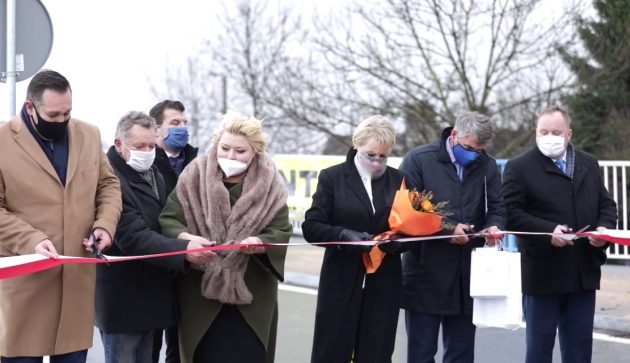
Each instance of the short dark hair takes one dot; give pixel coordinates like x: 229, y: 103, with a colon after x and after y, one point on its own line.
x: 43, y: 80
x: 157, y: 112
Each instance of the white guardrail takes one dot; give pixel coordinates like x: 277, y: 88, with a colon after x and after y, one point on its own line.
x: 301, y: 172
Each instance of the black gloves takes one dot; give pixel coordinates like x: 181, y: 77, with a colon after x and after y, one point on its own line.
x: 391, y: 247
x: 352, y: 235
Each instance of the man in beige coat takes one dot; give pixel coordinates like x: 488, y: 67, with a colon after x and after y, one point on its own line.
x: 56, y: 186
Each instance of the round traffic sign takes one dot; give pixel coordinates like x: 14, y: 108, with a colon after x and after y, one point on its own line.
x: 33, y: 38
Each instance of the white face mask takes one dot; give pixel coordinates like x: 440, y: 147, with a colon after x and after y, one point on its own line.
x: 551, y: 146
x: 374, y: 165
x: 232, y: 167
x: 140, y: 161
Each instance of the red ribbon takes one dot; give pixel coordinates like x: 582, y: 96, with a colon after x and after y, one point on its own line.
x: 28, y: 264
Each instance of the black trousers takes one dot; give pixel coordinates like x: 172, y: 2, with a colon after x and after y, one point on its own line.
x: 171, y: 339
x: 230, y: 340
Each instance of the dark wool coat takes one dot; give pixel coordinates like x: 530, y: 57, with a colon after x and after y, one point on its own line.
x: 436, y: 274
x: 165, y: 168
x: 348, y: 317
x: 138, y: 296
x: 539, y: 197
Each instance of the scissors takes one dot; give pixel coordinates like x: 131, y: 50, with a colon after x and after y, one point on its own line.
x: 97, y: 253
x: 578, y: 231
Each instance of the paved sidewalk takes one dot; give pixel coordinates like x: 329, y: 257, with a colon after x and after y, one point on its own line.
x: 612, y: 311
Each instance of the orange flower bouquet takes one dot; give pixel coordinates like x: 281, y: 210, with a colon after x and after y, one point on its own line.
x: 414, y: 214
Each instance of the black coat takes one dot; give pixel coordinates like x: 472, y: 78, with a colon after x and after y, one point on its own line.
x: 165, y: 168
x: 349, y: 318
x: 436, y: 274
x: 137, y: 296
x: 539, y: 197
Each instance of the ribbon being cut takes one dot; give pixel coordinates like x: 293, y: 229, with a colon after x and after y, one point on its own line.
x: 26, y: 264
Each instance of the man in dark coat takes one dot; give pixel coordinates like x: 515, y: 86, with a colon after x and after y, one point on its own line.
x: 436, y: 274
x: 356, y: 314
x: 553, y: 188
x: 173, y: 152
x: 133, y: 298
x: 172, y: 155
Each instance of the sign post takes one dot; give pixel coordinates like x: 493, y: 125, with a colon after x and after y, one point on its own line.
x: 27, y: 44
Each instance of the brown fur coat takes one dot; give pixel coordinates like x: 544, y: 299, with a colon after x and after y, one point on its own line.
x: 209, y: 213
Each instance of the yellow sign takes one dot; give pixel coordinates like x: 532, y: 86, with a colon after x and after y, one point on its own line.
x: 300, y: 172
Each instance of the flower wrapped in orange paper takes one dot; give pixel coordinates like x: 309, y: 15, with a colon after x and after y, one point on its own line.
x: 413, y: 214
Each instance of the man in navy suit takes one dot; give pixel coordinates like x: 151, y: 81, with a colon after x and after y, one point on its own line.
x: 556, y: 188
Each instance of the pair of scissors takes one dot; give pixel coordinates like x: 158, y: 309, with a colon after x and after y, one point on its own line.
x: 578, y: 231
x: 97, y: 253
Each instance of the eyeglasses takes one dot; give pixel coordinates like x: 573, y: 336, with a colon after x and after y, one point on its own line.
x: 372, y: 157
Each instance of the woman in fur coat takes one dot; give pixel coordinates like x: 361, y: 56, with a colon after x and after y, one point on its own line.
x: 233, y: 194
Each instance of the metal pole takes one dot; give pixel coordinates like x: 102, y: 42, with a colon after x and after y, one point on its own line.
x: 11, y: 71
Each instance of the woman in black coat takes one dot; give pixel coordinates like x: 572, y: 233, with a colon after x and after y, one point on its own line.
x: 357, y: 313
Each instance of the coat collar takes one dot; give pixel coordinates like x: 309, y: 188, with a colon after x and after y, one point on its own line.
x: 76, y: 140
x: 354, y: 182
x: 27, y: 142
x: 550, y: 167
x: 579, y: 169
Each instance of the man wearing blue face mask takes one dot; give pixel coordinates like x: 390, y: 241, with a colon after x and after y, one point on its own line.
x: 172, y: 155
x: 436, y: 275
x: 173, y: 152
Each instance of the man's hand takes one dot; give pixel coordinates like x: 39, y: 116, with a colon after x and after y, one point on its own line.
x: 103, y: 240
x: 598, y: 242
x: 250, y: 250
x: 558, y: 241
x: 460, y: 232
x: 495, y: 235
x: 199, y: 260
x: 47, y: 248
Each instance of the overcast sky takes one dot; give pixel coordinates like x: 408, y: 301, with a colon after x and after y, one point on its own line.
x: 108, y: 50
x: 112, y: 50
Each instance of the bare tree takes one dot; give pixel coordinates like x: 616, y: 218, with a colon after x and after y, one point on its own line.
x: 421, y: 61
x: 247, y: 56
x: 259, y: 43
x: 416, y: 61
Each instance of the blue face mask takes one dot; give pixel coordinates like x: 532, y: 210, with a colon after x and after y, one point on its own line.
x: 177, y: 137
x: 464, y: 157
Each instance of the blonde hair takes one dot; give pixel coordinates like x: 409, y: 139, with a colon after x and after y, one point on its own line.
x: 377, y: 128
x: 238, y: 124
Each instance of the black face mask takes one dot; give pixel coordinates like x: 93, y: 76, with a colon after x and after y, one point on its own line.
x: 48, y: 129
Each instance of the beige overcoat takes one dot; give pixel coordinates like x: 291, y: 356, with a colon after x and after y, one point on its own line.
x: 51, y: 312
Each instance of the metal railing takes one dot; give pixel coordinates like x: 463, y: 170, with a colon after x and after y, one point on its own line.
x: 614, y: 175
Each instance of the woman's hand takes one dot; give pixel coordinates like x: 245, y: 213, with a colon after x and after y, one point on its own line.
x: 250, y: 250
